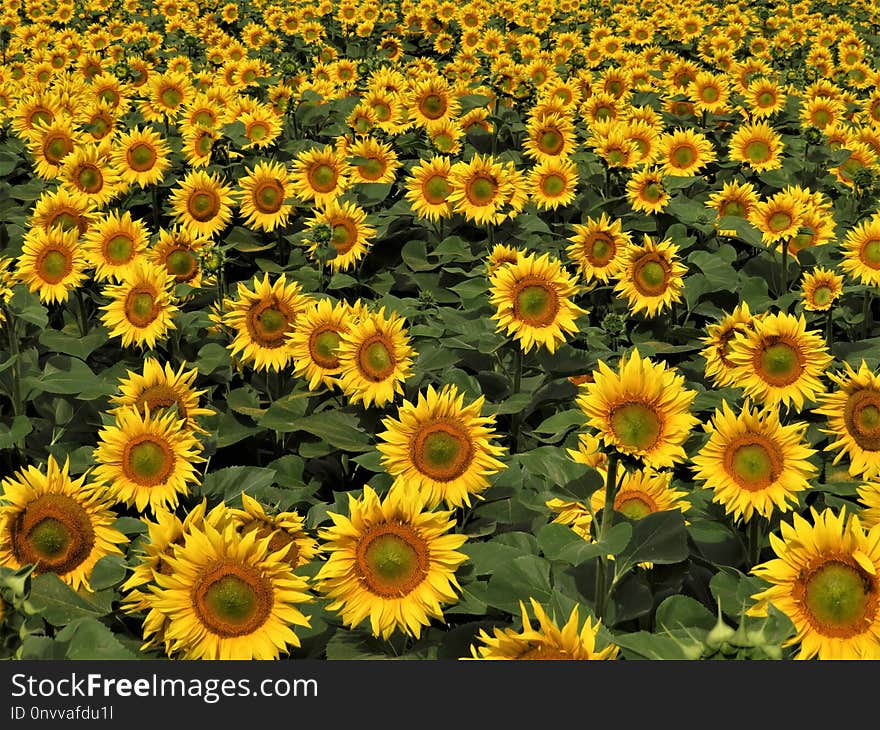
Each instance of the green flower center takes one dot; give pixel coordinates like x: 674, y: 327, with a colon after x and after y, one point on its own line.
x: 372, y: 169
x: 442, y: 450
x: 822, y: 296
x: 323, y: 178
x: 636, y: 426
x: 120, y: 250
x: 766, y: 99
x: 55, y: 265
x: 733, y: 208
x: 684, y: 156
x: 433, y: 106
x: 602, y: 251
x: 536, y: 303
x: 436, y: 190
x: 272, y: 320
x: 553, y: 185
x: 710, y: 94
x: 141, y: 305
x: 148, y: 460
x: 758, y: 151
x: 171, y: 98
x: 50, y: 538
x: 837, y: 596
x: 780, y: 364
x: 324, y: 347
x: 257, y: 131
x: 653, y: 274
x: 779, y: 221
x: 652, y: 192
x: 753, y: 466
x: 203, y: 205
x: 269, y: 197
x: 551, y: 142
x: 392, y: 559
x: 482, y: 191
x: 58, y: 149
x: 377, y: 360
x: 141, y: 157
x: 232, y: 600
x: 181, y: 264
x: 634, y: 507
x: 90, y: 179
x: 871, y: 253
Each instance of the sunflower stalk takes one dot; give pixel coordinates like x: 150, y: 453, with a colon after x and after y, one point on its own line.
x: 829, y: 328
x: 81, y: 316
x: 602, y: 592
x: 516, y: 384
x: 783, y: 288
x: 15, y: 356
x: 756, y: 538
x: 866, y: 312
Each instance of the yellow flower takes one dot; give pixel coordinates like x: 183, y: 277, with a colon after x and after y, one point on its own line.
x: 51, y: 264
x: 141, y: 307
x: 56, y: 523
x: 651, y: 276
x: 391, y: 562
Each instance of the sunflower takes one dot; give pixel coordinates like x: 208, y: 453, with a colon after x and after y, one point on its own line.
x: 262, y: 195
x: 141, y: 307
x: 440, y: 448
x: 820, y: 112
x: 158, y: 389
x: 758, y: 146
x: 261, y: 127
x: 51, y: 264
x: 734, y: 199
x: 825, y: 579
x: 552, y: 183
x: 709, y: 92
x: 427, y: 189
x: 390, y: 561
x: 481, y: 189
x: 375, y: 358
x: 446, y: 137
x: 861, y: 252
x: 113, y: 243
x: 573, y: 515
x: 202, y: 203
x: 285, y: 530
x: 262, y: 318
x: 549, y: 137
x: 168, y: 94
x: 642, y: 409
x: 140, y: 157
x: 546, y: 641
x: 314, y: 343
x: 853, y: 413
x: 597, y: 247
x: 753, y: 463
x: 778, y: 218
x: 51, y: 144
x: 179, y: 252
x: 198, y: 145
x: 146, y: 459
x: 641, y: 493
x: 764, y: 97
x: 229, y: 596
x: 779, y: 362
x: 372, y: 161
x: 719, y: 367
x: 820, y: 288
x: 501, y: 255
x: 533, y: 301
x: 320, y: 175
x: 684, y: 152
x: 589, y: 450
x: 57, y: 524
x: 650, y: 276
x: 350, y: 236
x: 431, y: 102
x: 862, y: 157
x: 646, y: 193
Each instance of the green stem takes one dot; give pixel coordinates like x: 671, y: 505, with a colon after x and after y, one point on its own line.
x: 756, y: 537
x: 604, y: 526
x: 14, y: 353
x: 516, y: 421
x: 866, y: 311
x: 82, y: 317
x: 784, y: 285
x: 157, y: 208
x: 829, y: 328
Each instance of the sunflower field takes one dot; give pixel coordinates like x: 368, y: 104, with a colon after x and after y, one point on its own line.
x: 346, y: 329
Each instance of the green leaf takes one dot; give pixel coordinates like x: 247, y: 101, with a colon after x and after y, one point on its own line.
x: 81, y: 347
x: 517, y: 580
x: 69, y: 376
x: 109, y: 571
x: 26, y: 307
x: 660, y: 537
x: 212, y: 357
x: 559, y: 542
x: 336, y: 428
x: 644, y: 645
x: 59, y: 604
x: 683, y: 612
x: 89, y: 639
x: 229, y: 483
x: 488, y: 557
x: 11, y: 435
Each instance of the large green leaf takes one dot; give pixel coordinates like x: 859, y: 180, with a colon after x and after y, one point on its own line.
x: 660, y: 537
x: 59, y: 604
x: 337, y: 428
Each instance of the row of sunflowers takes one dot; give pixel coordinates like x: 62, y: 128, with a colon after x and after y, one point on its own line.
x: 429, y: 330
